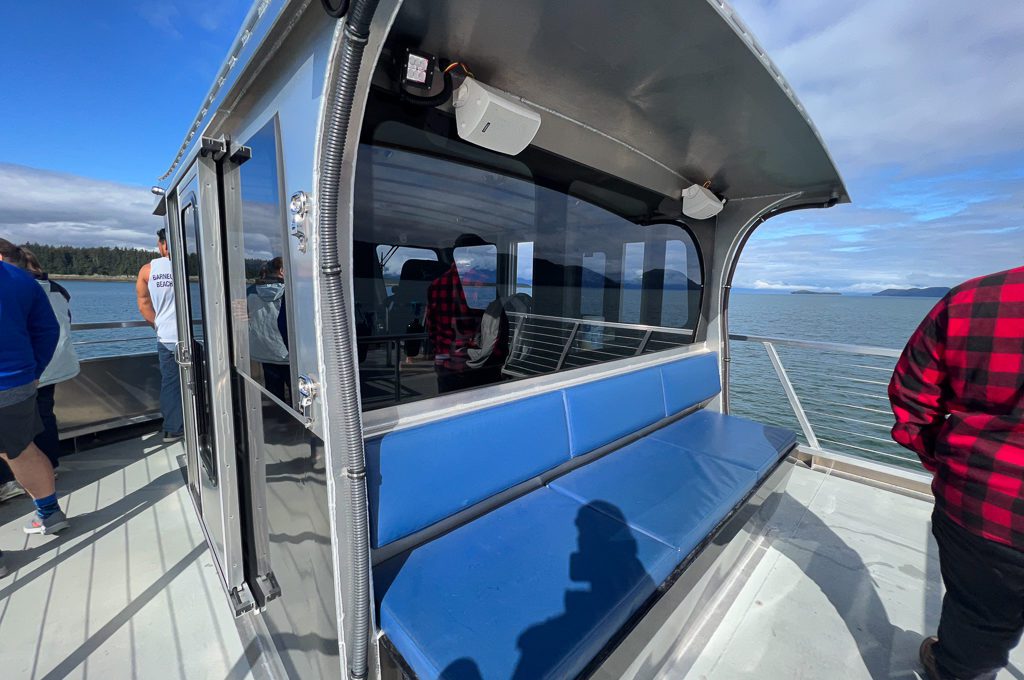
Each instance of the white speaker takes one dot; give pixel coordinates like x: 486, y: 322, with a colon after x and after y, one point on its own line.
x: 700, y: 203
x: 488, y: 118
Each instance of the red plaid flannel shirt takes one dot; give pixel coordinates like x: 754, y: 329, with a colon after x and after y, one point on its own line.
x: 451, y: 323
x: 958, y: 397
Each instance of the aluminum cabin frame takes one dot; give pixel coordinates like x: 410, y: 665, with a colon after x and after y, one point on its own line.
x: 685, y: 95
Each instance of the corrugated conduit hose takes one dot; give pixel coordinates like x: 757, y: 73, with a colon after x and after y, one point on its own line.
x: 338, y: 358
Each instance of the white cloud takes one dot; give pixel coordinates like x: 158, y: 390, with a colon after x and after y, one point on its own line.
x: 898, y: 82
x: 170, y: 16
x: 61, y: 209
x: 920, y: 106
x: 163, y: 16
x: 773, y: 285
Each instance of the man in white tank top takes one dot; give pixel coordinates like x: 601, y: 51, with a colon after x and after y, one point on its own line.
x: 155, y: 292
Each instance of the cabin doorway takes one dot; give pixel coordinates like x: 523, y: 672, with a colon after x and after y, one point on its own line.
x: 203, y: 354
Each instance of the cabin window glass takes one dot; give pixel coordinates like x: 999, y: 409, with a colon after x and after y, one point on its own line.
x: 524, y: 268
x: 393, y: 258
x: 675, y: 288
x: 631, y: 282
x: 592, y: 285
x: 534, y: 271
x: 264, y: 249
x: 478, y: 271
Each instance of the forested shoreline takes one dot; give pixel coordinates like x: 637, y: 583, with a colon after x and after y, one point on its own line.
x: 103, y: 262
x: 99, y: 261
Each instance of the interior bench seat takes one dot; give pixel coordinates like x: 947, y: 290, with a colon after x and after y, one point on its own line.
x: 533, y: 589
x: 536, y: 587
x: 746, y: 443
x: 662, y: 491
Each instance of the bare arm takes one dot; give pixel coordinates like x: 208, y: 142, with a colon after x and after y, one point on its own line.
x: 142, y: 298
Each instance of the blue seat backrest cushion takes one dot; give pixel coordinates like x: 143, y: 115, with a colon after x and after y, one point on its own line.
x: 603, y: 411
x: 419, y: 476
x: 690, y: 381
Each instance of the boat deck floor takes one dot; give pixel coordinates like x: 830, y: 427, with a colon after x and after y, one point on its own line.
x: 129, y: 591
x: 845, y: 585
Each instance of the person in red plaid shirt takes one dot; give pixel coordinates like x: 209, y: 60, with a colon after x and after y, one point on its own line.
x: 958, y: 397
x: 464, y: 357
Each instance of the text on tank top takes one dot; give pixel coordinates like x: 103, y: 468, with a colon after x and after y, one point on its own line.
x: 161, y: 292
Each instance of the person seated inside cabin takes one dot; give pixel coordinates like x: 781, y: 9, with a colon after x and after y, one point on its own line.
x: 268, y: 328
x: 469, y: 344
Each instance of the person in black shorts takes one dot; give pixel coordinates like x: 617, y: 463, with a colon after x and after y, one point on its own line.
x: 30, y: 333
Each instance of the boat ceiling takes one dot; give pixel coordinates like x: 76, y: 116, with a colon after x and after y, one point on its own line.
x: 680, y: 81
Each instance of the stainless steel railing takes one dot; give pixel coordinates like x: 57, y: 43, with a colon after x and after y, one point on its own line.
x: 91, y: 340
x: 837, y: 393
x: 544, y: 344
x: 538, y: 344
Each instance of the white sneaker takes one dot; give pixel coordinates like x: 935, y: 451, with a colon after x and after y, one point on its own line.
x: 10, y: 490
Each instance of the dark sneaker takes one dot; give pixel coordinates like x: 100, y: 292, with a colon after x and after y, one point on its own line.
x: 173, y: 436
x: 927, y: 655
x: 3, y: 566
x: 51, y: 525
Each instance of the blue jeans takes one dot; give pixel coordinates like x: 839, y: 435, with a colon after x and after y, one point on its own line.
x: 170, y: 390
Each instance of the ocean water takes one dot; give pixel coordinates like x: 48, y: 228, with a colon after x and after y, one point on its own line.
x: 843, y: 395
x: 95, y: 301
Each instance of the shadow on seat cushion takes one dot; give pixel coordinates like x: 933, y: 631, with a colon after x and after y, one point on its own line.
x: 531, y: 590
x: 747, y: 443
x: 664, y: 491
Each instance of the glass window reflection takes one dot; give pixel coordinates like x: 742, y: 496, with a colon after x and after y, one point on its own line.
x: 517, y: 273
x: 263, y: 245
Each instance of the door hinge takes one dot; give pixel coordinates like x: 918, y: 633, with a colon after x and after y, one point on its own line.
x: 241, y: 600
x: 240, y: 154
x: 213, y: 148
x: 266, y: 589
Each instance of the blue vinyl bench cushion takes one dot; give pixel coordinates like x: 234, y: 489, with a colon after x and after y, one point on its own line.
x: 422, y: 475
x: 536, y: 587
x: 664, y: 491
x: 603, y: 411
x: 743, y: 442
x: 533, y: 589
x: 419, y: 476
x: 689, y: 382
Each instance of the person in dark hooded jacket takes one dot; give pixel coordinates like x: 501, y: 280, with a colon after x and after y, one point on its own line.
x: 268, y: 332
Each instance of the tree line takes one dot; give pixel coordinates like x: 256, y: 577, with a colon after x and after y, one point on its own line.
x: 107, y: 261
x: 92, y: 261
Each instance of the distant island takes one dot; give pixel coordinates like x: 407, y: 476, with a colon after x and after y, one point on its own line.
x: 934, y: 292
x: 814, y: 292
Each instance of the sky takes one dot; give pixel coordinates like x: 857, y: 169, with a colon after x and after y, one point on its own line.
x: 919, y: 103
x: 922, y: 107
x: 97, y: 98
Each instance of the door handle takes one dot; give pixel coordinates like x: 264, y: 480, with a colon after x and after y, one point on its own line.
x: 182, y: 354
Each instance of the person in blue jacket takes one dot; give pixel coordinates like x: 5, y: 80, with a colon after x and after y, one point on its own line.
x: 29, y: 332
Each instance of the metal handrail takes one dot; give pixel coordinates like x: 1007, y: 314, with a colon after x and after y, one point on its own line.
x: 838, y: 381
x: 110, y: 325
x: 688, y: 332
x: 381, y: 339
x: 107, y: 341
x: 864, y: 350
x: 103, y: 325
